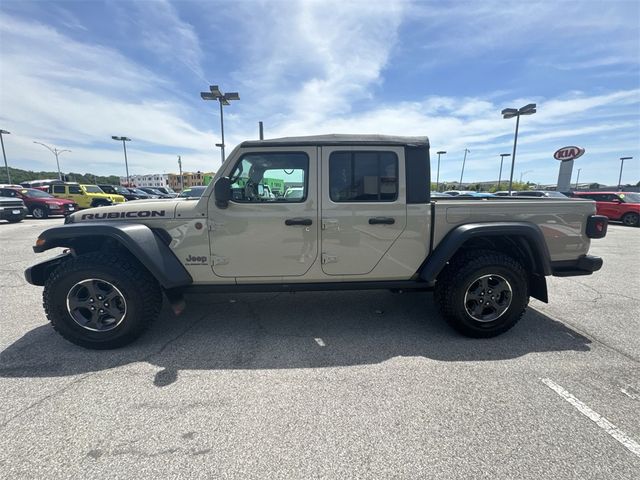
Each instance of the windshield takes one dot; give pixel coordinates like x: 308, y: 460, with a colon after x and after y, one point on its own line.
x: 555, y: 194
x: 630, y: 197
x: 192, y: 192
x: 137, y: 191
x: 35, y: 193
x: 120, y: 189
x: 92, y: 189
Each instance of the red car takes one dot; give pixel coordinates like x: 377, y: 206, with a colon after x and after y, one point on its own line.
x: 622, y: 206
x: 41, y: 204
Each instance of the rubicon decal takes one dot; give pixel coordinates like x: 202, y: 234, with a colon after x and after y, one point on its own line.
x: 115, y: 215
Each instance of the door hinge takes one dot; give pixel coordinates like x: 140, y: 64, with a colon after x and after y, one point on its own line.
x: 216, y: 260
x: 328, y: 259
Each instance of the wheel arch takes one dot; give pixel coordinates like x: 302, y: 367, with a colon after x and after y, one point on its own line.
x: 149, y: 247
x: 523, y: 241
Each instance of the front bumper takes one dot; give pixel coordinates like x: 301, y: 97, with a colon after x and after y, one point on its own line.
x: 12, y: 213
x: 583, y: 265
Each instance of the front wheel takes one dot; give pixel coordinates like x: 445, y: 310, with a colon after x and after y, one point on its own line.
x: 101, y: 301
x: 483, y: 293
x: 631, y: 219
x: 39, y: 212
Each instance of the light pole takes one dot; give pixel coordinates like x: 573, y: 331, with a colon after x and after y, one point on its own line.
x: 442, y: 152
x: 56, y: 152
x: 502, y: 155
x: 124, y: 146
x: 524, y: 173
x: 578, y: 178
x: 466, y: 150
x: 223, y: 99
x: 4, y: 132
x: 529, y: 109
x: 622, y: 159
x: 180, y: 167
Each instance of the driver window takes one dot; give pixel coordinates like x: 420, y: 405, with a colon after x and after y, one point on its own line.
x: 270, y: 177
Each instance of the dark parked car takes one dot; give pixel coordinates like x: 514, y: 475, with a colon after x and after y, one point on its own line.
x: 539, y: 193
x: 12, y: 209
x: 192, y: 192
x: 153, y: 191
x: 119, y: 190
x: 141, y: 194
x: 40, y: 204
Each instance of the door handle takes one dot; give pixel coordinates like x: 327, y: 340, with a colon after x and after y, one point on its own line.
x: 382, y: 221
x: 298, y: 221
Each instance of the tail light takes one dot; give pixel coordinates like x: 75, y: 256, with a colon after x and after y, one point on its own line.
x: 597, y: 226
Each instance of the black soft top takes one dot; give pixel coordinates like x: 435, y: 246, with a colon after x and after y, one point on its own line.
x: 339, y: 139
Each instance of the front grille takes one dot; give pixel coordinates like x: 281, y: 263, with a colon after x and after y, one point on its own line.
x: 12, y: 204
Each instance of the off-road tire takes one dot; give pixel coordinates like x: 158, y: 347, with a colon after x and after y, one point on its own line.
x: 460, y: 274
x: 140, y: 290
x: 43, y: 213
x: 631, y: 219
x: 100, y: 203
x: 15, y: 220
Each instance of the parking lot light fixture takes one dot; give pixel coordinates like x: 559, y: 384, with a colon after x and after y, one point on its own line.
x: 528, y: 109
x: 223, y: 99
x: 578, y: 178
x: 4, y: 132
x: 56, y: 152
x: 622, y: 159
x: 502, y: 155
x: 441, y: 152
x: 124, y: 146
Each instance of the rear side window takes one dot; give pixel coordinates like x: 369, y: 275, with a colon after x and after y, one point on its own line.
x: 363, y: 176
x: 58, y: 189
x: 75, y: 190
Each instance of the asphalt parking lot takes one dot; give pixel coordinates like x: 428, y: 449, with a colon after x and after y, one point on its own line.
x: 328, y: 385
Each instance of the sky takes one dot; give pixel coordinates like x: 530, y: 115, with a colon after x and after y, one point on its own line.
x: 72, y: 74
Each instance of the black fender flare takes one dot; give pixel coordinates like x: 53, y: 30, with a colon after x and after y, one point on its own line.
x: 139, y: 240
x: 531, y: 240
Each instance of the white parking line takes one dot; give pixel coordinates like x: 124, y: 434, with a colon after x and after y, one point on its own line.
x: 320, y: 342
x: 606, y: 425
x: 630, y: 393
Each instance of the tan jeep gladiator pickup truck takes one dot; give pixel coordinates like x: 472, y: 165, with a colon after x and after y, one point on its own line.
x: 348, y: 212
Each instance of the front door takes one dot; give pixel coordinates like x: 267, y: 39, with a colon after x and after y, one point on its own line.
x: 363, y: 206
x: 262, y: 233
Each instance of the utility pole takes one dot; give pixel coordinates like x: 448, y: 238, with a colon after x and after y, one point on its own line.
x: 441, y: 152
x: 502, y: 155
x: 56, y: 152
x: 124, y: 146
x: 578, y: 178
x: 5, y: 155
x: 180, y: 167
x: 261, y: 130
x: 622, y: 159
x: 466, y: 150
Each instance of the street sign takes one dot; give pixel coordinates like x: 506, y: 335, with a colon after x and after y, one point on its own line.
x: 565, y: 154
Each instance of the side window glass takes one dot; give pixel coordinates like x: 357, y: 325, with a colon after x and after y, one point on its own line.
x: 270, y: 177
x: 58, y: 189
x: 363, y: 176
x: 75, y: 190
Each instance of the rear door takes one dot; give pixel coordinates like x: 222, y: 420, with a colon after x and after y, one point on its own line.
x: 363, y: 206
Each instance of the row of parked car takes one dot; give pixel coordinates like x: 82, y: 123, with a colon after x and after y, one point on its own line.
x: 45, y: 198
x: 618, y: 206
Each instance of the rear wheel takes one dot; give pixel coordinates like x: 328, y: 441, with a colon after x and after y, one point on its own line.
x: 631, y: 219
x: 482, y: 293
x: 39, y: 212
x: 101, y: 300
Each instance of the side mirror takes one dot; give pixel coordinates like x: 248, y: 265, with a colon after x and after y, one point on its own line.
x: 222, y: 192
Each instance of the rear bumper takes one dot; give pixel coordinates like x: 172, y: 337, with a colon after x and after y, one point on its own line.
x: 584, y: 265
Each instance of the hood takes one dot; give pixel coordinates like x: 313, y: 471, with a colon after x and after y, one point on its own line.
x: 135, y: 210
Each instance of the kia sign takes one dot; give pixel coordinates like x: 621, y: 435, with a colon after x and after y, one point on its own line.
x: 565, y: 154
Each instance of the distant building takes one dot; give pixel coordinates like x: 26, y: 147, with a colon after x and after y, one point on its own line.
x: 150, y: 180
x: 189, y: 179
